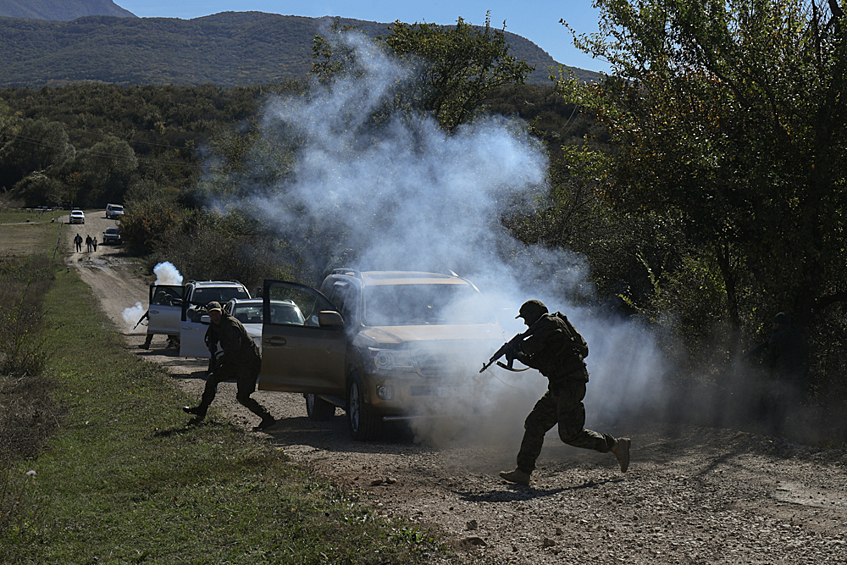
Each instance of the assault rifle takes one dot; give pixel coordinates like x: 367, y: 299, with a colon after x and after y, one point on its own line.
x: 510, y: 349
x: 141, y: 319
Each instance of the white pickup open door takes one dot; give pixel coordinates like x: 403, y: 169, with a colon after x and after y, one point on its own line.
x: 165, y: 309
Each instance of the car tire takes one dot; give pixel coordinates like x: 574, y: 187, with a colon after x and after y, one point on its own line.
x: 363, y: 421
x: 318, y: 409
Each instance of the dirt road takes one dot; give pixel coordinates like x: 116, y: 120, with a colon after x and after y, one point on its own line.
x: 692, y: 495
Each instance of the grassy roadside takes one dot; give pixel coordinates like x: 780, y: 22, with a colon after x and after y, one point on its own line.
x: 124, y: 481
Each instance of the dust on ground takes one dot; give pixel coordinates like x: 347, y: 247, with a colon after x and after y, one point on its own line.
x: 691, y: 495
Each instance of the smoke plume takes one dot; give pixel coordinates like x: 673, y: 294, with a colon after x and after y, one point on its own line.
x: 403, y: 194
x: 167, y: 274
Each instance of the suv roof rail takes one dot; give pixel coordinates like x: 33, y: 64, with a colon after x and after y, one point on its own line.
x: 350, y: 272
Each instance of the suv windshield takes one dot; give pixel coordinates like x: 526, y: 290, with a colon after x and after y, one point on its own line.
x: 424, y: 304
x: 203, y: 296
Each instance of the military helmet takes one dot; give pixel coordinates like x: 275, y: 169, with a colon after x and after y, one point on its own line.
x: 531, y: 311
x: 782, y: 318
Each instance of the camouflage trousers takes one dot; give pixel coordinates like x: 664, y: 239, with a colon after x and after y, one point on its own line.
x: 245, y: 374
x: 562, y: 406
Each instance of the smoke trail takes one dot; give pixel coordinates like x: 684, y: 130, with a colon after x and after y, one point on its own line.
x: 406, y: 195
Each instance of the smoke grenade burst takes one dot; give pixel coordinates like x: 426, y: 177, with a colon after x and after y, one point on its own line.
x: 167, y: 274
x: 132, y: 315
x: 400, y: 193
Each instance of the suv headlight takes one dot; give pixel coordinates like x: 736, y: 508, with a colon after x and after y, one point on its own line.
x: 388, y: 359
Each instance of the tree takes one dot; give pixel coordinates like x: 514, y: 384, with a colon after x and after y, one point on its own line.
x: 461, y: 65
x: 731, y: 115
x: 33, y: 146
x: 457, y: 67
x: 107, y: 169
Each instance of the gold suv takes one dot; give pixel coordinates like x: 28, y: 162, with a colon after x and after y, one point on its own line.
x: 382, y: 345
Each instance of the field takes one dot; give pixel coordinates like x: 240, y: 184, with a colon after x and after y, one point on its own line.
x: 25, y: 232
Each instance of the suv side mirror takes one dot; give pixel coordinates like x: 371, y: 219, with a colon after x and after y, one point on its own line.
x: 330, y: 319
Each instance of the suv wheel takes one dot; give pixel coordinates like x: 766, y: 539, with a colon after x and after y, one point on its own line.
x: 317, y: 408
x: 364, y: 424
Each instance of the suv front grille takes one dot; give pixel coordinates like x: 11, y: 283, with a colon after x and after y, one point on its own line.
x: 448, y: 361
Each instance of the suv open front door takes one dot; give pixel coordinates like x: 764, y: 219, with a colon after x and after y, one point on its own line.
x: 306, y: 357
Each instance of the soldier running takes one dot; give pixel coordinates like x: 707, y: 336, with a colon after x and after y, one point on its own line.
x: 241, y: 360
x: 556, y: 350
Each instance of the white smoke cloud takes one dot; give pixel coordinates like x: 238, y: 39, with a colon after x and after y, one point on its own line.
x: 132, y: 315
x: 167, y: 274
x: 408, y: 195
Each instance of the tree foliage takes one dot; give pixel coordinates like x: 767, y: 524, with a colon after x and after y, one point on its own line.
x: 95, y: 142
x: 730, y: 115
x: 35, y: 145
x: 456, y: 67
x: 460, y: 66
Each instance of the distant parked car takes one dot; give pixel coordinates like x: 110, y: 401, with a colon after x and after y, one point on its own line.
x: 111, y: 235
x: 77, y: 217
x: 114, y: 211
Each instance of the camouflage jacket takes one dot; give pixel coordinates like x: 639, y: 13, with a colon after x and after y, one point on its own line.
x: 236, y: 343
x: 555, y: 348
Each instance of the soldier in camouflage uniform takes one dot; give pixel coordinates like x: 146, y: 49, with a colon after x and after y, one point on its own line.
x: 241, y: 361
x: 557, y: 350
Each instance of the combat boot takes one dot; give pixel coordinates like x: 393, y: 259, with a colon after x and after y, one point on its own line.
x: 199, y: 411
x: 621, y: 452
x: 266, y: 423
x: 517, y: 476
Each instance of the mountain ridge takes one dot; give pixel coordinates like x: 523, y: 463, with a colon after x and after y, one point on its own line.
x: 61, y: 10
x: 225, y: 49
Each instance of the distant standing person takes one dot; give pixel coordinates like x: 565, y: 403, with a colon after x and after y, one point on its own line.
x: 241, y: 361
x: 78, y: 243
x: 88, y: 243
x: 556, y: 350
x: 94, y: 243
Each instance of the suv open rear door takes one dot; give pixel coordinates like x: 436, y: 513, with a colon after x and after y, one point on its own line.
x: 306, y: 357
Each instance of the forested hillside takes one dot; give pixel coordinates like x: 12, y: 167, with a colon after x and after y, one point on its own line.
x: 227, y: 49
x: 167, y: 129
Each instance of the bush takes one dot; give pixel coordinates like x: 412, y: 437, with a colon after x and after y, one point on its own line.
x: 22, y: 347
x: 147, y: 223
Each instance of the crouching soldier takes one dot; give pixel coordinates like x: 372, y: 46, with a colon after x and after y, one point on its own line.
x: 556, y: 350
x: 241, y: 360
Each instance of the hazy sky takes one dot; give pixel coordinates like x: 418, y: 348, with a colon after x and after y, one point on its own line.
x: 537, y: 20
